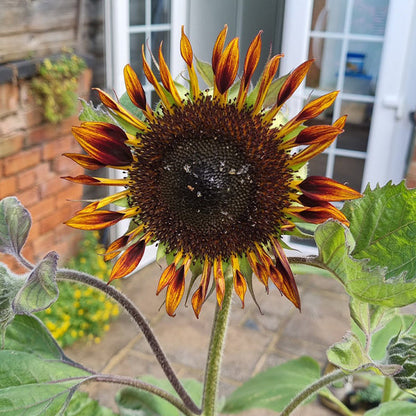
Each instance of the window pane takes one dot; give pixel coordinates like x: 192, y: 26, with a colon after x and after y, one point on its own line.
x: 369, y: 17
x: 160, y: 11
x: 356, y: 131
x: 329, y: 16
x: 136, y: 42
x: 137, y: 12
x: 349, y: 170
x: 156, y: 38
x: 324, y: 71
x: 317, y: 165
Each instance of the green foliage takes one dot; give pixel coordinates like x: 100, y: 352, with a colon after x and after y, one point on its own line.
x: 274, y: 388
x: 36, y: 378
x: 55, y: 87
x: 82, y: 311
x: 82, y: 405
x: 134, y: 402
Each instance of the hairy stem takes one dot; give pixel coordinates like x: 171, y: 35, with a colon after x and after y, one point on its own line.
x: 312, y: 389
x: 132, y: 382
x: 388, y: 384
x: 133, y: 311
x: 213, y: 367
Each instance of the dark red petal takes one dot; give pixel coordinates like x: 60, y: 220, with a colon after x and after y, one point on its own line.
x: 317, y: 134
x: 114, y: 248
x: 200, y: 294
x: 104, y: 142
x: 285, y: 283
x: 316, y: 107
x: 227, y: 67
x: 326, y: 189
x: 293, y: 81
x: 175, y: 291
x: 95, y: 221
x: 320, y: 214
x: 128, y: 261
x: 87, y: 162
x: 252, y: 60
x: 89, y: 180
x: 218, y: 47
x: 134, y: 87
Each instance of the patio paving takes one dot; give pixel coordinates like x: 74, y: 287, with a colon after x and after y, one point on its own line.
x: 254, y: 341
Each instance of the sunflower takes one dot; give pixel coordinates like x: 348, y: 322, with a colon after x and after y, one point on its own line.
x: 215, y: 176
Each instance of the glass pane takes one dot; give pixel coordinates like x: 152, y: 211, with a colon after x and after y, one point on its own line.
x: 369, y: 17
x: 324, y: 71
x: 156, y: 39
x: 357, y: 128
x: 160, y: 11
x: 317, y: 165
x: 329, y: 16
x: 363, y: 64
x: 137, y: 12
x: 136, y: 42
x: 349, y: 170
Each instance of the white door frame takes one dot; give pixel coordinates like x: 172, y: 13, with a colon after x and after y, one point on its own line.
x: 117, y: 47
x: 395, y: 95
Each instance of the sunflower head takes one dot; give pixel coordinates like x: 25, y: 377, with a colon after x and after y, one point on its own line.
x: 215, y: 176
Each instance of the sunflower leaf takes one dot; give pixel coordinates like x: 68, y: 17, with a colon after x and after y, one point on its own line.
x: 135, y: 402
x: 36, y: 378
x: 205, y: 70
x: 335, y: 243
x: 15, y: 222
x: 91, y: 113
x: 402, y: 408
x: 40, y: 289
x: 383, y: 224
x: 274, y: 388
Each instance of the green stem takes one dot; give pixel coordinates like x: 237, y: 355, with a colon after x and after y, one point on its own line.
x: 312, y: 389
x: 213, y: 367
x: 388, y: 384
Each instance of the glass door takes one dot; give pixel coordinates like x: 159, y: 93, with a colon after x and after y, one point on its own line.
x: 353, y: 43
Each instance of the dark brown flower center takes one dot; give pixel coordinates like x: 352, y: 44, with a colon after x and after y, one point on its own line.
x: 210, y: 180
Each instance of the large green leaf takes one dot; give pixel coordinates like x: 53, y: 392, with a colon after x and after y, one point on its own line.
x: 274, y: 388
x: 82, y: 405
x: 394, y: 408
x: 15, y: 224
x: 36, y: 378
x: 135, y: 402
x: 335, y: 243
x: 383, y: 224
x: 91, y: 113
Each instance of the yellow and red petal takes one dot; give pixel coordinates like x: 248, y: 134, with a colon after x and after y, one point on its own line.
x: 175, y: 291
x: 166, y: 78
x: 128, y: 261
x: 104, y: 142
x: 200, y: 294
x: 134, y: 88
x: 240, y: 284
x: 219, y: 280
x: 90, y: 180
x: 166, y: 277
x: 188, y: 57
x: 325, y: 189
x: 227, y: 67
x: 121, y: 111
x: 266, y: 79
x: 259, y: 269
x: 114, y: 248
x: 95, y: 220
x: 87, y: 162
x: 218, y: 48
x: 319, y: 214
x: 250, y: 65
x: 286, y: 284
x: 317, y: 134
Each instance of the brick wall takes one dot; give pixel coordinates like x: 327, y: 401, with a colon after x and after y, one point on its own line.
x: 31, y: 166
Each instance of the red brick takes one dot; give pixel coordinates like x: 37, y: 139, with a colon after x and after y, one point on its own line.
x: 67, y: 124
x: 63, y: 166
x: 54, y: 149
x: 23, y: 160
x: 43, y: 208
x: 34, y: 229
x: 84, y: 84
x: 73, y: 192
x: 9, y: 98
x: 11, y: 144
x: 8, y: 186
x: 26, y: 96
x: 29, y: 197
x: 52, y: 185
x: 44, y: 244
x: 26, y: 179
x: 56, y: 219
x: 32, y: 117
x: 43, y: 133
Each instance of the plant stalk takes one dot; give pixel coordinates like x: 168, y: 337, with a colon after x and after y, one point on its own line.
x: 133, y: 311
x: 213, y: 367
x: 388, y: 384
x: 312, y: 389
